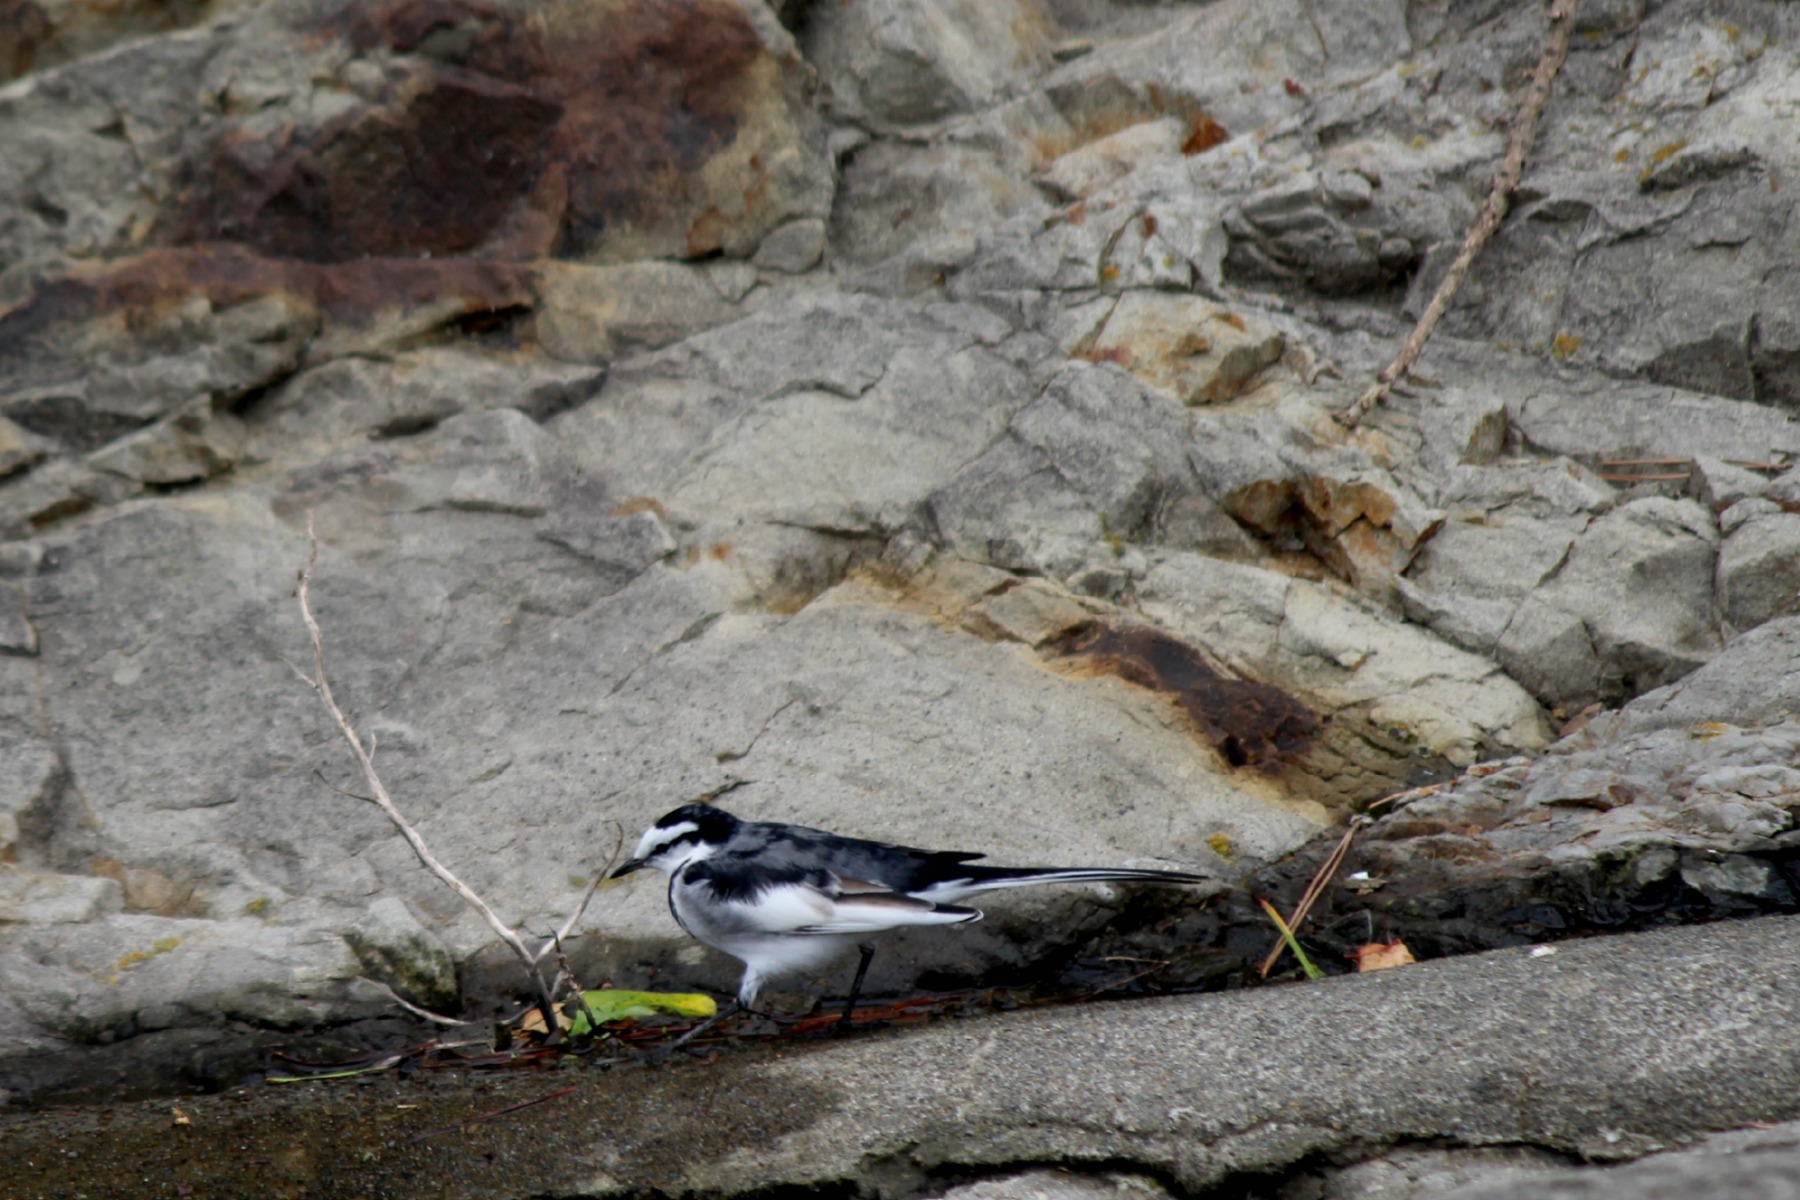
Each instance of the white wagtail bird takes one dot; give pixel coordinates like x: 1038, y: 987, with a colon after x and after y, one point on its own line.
x: 785, y: 899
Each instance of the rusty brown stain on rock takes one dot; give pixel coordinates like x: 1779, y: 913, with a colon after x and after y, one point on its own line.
x: 1117, y: 355
x: 634, y: 505
x: 516, y: 134
x: 1337, y: 504
x: 353, y: 293
x: 1250, y: 724
x: 655, y: 93
x: 436, y: 178
x: 1268, y: 506
x: 24, y: 26
x: 1203, y: 134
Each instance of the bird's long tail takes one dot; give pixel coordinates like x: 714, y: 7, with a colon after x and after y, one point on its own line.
x: 974, y: 879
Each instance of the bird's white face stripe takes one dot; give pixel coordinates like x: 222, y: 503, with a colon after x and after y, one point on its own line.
x: 661, y: 847
x: 656, y: 836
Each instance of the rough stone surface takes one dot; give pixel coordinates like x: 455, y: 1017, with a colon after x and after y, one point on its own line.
x: 37, y: 898
x: 591, y: 314
x: 33, y: 775
x: 328, y: 134
x: 1759, y: 570
x: 129, y: 973
x: 19, y: 448
x: 1094, y: 166
x: 1691, y: 799
x: 1694, y: 179
x: 1681, y: 798
x: 1202, y: 352
x: 1629, y: 607
x: 1382, y: 681
x: 46, y: 33
x: 1595, y: 1050
x: 1531, y: 567
x: 193, y: 443
x: 1750, y: 1164
x: 1421, y: 1173
x: 1720, y: 484
x: 925, y: 205
x: 1094, y: 455
x: 793, y: 248
x: 1754, y: 682
x: 1059, y: 1185
x: 914, y: 416
x: 1507, y: 531
x: 905, y: 61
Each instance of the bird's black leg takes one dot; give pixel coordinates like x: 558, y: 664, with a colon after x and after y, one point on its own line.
x: 660, y: 1053
x: 867, y: 951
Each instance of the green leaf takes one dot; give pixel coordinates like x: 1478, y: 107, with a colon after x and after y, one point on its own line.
x: 1287, y: 935
x: 617, y: 1004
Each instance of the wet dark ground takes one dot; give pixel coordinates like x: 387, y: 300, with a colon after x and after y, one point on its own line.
x: 443, y: 1124
x: 363, y: 1137
x: 446, y: 1134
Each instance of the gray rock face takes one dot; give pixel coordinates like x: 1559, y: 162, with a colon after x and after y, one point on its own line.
x: 915, y: 419
x: 1699, y: 155
x: 1751, y: 683
x: 924, y: 205
x: 1059, y: 1185
x: 129, y: 974
x: 318, y: 133
x: 1384, y: 683
x: 1759, y: 570
x: 1630, y: 606
x: 905, y: 61
x: 1508, y: 531
x: 47, y: 33
x: 1094, y: 455
x: 1749, y: 1163
x: 1684, y: 794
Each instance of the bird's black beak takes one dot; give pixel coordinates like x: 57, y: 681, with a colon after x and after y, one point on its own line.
x: 626, y: 868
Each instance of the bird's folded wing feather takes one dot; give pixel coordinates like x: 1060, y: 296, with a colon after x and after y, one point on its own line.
x: 812, y: 901
x: 859, y: 906
x: 847, y: 885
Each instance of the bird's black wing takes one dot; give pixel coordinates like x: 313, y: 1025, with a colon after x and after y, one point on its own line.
x: 900, y: 868
x: 743, y: 878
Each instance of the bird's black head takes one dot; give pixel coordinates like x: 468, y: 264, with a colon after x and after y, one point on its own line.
x: 690, y: 832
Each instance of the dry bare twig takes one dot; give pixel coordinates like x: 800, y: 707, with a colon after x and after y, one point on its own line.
x: 1316, y: 888
x: 424, y: 1014
x: 379, y: 798
x: 1561, y: 21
